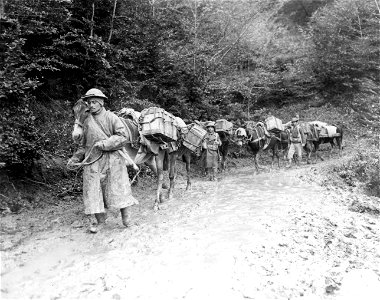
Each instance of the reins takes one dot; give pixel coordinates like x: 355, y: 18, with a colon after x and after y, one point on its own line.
x: 77, y: 166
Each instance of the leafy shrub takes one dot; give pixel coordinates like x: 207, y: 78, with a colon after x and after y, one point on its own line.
x: 18, y: 134
x: 363, y: 171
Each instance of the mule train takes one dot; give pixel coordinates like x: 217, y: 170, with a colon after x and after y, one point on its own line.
x: 156, y: 150
x: 256, y: 137
x: 158, y: 139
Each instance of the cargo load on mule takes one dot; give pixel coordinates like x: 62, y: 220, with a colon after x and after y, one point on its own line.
x: 325, y: 130
x: 194, y: 137
x: 158, y: 125
x: 274, y: 124
x: 310, y: 131
x: 223, y: 125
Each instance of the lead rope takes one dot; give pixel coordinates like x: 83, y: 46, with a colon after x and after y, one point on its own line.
x: 77, y: 166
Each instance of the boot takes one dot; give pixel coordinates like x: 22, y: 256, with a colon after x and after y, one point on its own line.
x: 214, y: 172
x: 289, y: 164
x: 126, y: 216
x: 101, y: 220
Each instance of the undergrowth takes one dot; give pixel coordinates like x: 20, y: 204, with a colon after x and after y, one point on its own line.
x: 363, y: 170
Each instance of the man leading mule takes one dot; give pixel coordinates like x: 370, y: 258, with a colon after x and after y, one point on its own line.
x: 105, y: 180
x: 297, y: 140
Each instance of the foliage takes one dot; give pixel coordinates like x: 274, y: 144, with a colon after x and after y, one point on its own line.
x: 18, y: 135
x: 363, y: 170
x: 346, y: 39
x: 197, y: 59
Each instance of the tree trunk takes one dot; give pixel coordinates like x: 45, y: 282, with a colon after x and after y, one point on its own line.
x: 2, y: 15
x: 195, y: 34
x: 112, y: 20
x: 92, y: 20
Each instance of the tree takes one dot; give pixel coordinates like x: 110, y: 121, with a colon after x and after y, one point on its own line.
x: 346, y: 39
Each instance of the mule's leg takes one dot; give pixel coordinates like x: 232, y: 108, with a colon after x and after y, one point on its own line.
x: 316, y: 146
x: 172, y: 172
x: 256, y: 163
x: 273, y: 154
x: 276, y: 151
x: 314, y: 150
x: 315, y: 153
x: 223, y: 163
x: 308, y: 154
x: 332, y: 148
x: 308, y: 150
x: 151, y: 163
x: 160, y: 176
x: 340, y: 146
x: 187, y: 157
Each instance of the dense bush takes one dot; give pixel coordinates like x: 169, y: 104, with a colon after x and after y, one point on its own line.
x: 199, y: 60
x: 363, y: 171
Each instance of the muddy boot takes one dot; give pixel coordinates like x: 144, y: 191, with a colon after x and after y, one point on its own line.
x: 289, y: 164
x: 101, y: 220
x: 214, y: 172
x: 126, y: 216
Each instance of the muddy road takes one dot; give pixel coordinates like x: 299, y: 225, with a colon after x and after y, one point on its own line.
x: 246, y: 236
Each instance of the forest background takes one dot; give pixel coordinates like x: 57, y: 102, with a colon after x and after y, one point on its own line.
x: 198, y: 59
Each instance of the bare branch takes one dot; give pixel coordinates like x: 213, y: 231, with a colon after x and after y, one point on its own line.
x: 112, y: 20
x: 92, y: 19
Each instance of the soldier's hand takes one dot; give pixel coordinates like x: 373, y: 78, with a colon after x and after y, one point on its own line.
x: 72, y: 162
x: 98, y: 145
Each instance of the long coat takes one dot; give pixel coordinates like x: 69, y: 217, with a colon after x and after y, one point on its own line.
x: 105, y: 182
x: 211, y: 142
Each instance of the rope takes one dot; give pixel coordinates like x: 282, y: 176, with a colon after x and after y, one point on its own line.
x: 135, y: 177
x: 155, y: 118
x: 77, y: 166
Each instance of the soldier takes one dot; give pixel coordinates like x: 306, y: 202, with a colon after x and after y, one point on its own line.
x: 211, y: 143
x: 297, y: 140
x: 105, y: 181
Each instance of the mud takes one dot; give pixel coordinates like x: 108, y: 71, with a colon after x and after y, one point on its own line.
x: 246, y: 236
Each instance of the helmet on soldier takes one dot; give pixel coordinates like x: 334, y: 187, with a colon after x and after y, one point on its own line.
x: 97, y: 94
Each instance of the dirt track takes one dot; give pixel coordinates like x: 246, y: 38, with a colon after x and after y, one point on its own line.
x: 247, y: 236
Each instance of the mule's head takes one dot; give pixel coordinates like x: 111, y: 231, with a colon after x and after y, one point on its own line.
x: 81, y: 111
x: 240, y: 136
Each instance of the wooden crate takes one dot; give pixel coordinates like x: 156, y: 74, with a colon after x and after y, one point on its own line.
x: 193, y: 139
x: 223, y: 125
x: 273, y: 124
x: 158, y: 125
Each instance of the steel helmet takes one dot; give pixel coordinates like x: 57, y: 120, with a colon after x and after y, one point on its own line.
x: 95, y: 93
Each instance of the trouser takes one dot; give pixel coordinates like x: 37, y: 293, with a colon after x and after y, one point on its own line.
x: 211, y: 172
x: 295, y: 148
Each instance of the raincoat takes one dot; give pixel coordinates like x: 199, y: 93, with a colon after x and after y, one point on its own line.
x: 211, y: 142
x: 105, y: 182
